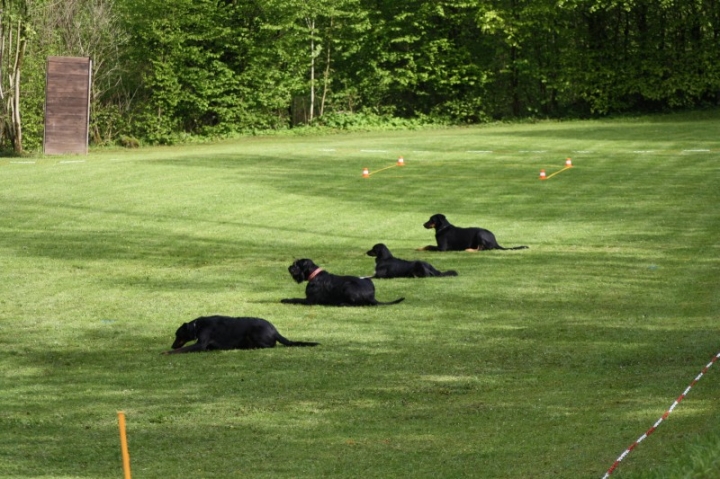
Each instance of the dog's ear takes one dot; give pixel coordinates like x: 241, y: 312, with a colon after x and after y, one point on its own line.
x: 300, y: 270
x: 187, y: 331
x: 300, y: 263
x: 182, y: 336
x: 435, y: 221
x: 306, y: 265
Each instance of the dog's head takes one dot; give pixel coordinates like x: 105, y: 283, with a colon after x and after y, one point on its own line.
x: 186, y: 332
x: 435, y: 221
x: 301, y: 269
x: 379, y: 251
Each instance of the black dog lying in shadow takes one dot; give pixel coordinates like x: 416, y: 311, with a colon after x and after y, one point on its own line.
x: 332, y: 290
x: 388, y: 266
x: 224, y: 332
x: 453, y: 238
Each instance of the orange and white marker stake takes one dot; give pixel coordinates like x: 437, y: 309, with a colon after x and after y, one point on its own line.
x: 568, y: 163
x: 543, y: 176
x: 123, y: 445
x: 366, y: 173
x: 401, y: 161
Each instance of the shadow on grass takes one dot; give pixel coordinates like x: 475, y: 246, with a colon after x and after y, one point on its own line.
x: 649, y: 132
x: 371, y: 402
x: 147, y: 241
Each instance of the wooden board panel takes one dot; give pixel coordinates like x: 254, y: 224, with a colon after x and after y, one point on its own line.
x: 67, y: 105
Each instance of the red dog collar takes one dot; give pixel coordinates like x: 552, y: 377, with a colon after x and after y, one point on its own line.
x: 314, y: 273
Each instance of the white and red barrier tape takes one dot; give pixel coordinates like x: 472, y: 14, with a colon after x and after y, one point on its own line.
x: 667, y: 413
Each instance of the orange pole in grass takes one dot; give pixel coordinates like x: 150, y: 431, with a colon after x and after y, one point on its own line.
x: 560, y: 171
x: 123, y: 445
x: 383, y: 169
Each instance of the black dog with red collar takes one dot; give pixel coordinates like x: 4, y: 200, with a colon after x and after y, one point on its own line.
x: 332, y: 290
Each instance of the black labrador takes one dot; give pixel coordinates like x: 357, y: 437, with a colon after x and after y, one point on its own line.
x: 224, y: 332
x: 332, y: 290
x: 453, y: 238
x: 388, y: 266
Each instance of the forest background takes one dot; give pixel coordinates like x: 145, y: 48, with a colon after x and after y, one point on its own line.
x: 175, y: 70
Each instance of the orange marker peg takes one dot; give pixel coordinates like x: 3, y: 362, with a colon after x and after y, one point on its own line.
x: 123, y: 445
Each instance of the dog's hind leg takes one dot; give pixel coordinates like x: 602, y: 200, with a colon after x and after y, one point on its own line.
x: 430, y: 270
x: 423, y: 270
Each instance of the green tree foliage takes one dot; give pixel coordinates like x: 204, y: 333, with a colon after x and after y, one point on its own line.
x: 185, y: 52
x: 427, y: 58
x: 164, y: 69
x: 646, y: 54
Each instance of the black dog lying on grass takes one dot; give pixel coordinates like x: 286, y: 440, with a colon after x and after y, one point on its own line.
x: 453, y: 238
x: 224, y: 332
x: 387, y: 266
x: 332, y: 290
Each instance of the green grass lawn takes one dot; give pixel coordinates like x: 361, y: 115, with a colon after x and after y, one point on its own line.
x: 540, y: 363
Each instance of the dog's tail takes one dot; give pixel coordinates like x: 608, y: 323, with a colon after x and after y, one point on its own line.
x: 450, y: 272
x: 381, y: 303
x: 514, y: 247
x: 286, y: 342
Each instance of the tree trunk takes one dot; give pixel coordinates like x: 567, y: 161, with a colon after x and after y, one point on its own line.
x: 311, y: 27
x: 326, y: 79
x: 16, y: 120
x: 12, y: 53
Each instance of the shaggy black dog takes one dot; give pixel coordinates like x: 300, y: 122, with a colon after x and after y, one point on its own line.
x: 224, y: 332
x: 453, y: 238
x: 387, y: 266
x: 332, y: 290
